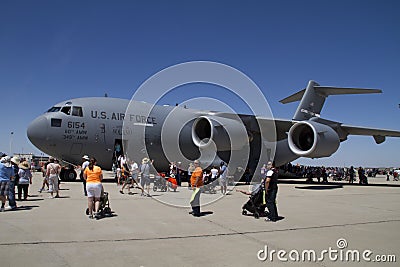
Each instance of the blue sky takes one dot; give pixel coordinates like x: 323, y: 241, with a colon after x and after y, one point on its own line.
x: 51, y: 51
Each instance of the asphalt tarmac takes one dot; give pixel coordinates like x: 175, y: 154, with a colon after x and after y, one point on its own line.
x: 323, y: 225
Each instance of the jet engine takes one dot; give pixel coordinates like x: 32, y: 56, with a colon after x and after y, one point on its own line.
x: 312, y: 139
x: 226, y: 134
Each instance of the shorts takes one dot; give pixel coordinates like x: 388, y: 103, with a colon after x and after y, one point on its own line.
x: 223, y: 181
x: 145, y: 180
x: 4, y: 188
x: 94, y: 189
x: 128, y: 180
x: 53, y: 183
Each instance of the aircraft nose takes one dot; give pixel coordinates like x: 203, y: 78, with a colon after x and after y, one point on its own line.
x: 37, y: 131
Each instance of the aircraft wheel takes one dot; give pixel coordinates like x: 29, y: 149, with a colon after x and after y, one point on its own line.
x: 68, y: 175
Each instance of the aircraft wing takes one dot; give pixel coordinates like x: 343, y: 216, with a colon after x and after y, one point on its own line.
x: 282, y: 127
x: 378, y: 134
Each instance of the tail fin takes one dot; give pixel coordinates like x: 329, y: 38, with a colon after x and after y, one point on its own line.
x: 313, y: 98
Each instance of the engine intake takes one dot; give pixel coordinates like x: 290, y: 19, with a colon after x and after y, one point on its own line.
x: 313, y: 140
x: 227, y: 134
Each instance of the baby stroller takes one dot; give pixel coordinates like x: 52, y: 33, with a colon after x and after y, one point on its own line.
x: 363, y: 179
x: 104, y: 208
x: 160, y: 183
x: 255, y: 204
x: 209, y: 184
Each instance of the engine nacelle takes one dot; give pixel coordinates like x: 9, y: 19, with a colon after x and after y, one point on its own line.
x: 226, y: 134
x: 312, y: 139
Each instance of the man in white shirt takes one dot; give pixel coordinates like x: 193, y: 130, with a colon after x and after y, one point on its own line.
x: 52, y: 171
x: 83, y: 167
x: 223, y: 181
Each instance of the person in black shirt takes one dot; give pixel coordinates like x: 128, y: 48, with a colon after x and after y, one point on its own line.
x: 271, y: 190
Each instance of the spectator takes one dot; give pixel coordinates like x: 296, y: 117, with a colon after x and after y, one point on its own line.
x: 271, y: 187
x: 145, y: 178
x: 6, y: 173
x: 93, y: 176
x: 52, y: 171
x: 196, y: 181
x: 85, y: 163
x: 223, y: 181
x: 25, y: 179
x: 12, y: 205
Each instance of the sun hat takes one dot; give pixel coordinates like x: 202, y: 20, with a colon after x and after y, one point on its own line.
x: 16, y: 160
x: 6, y: 161
x: 24, y: 165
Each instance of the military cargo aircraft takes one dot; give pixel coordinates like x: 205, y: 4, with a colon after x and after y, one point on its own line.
x: 104, y: 127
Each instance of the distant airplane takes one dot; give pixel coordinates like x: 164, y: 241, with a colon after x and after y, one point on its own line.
x: 103, y: 127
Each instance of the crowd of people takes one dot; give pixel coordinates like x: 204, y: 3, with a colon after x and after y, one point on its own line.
x: 350, y: 174
x: 13, y: 172
x: 17, y: 172
x: 130, y: 174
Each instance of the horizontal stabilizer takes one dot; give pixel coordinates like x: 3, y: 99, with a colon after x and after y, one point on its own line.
x: 293, y: 98
x: 329, y: 90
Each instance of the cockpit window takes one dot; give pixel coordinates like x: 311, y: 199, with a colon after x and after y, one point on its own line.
x: 77, y: 111
x: 66, y: 110
x: 54, y: 109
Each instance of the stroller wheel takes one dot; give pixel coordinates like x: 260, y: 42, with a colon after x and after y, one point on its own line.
x: 107, y: 210
x: 87, y: 211
x: 154, y: 188
x: 244, y: 212
x: 256, y: 215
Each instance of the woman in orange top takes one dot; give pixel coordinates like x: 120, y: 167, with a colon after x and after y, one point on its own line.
x: 93, y: 176
x: 196, y: 180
